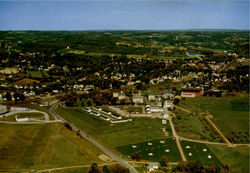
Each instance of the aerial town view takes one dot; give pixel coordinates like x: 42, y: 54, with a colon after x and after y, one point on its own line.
x: 124, y: 86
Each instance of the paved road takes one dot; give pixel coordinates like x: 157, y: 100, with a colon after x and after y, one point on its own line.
x: 177, y: 140
x: 83, y: 134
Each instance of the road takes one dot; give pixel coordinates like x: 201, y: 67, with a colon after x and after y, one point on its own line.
x: 218, y: 131
x: 93, y: 141
x: 177, y: 140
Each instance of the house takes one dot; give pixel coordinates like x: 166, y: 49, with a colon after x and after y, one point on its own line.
x: 121, y: 96
x: 168, y: 95
x: 137, y: 99
x: 151, y: 97
x: 153, y: 166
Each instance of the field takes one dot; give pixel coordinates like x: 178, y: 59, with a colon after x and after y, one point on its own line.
x: 138, y: 130
x: 199, y: 152
x: 157, y: 149
x: 26, y: 147
x: 230, y: 113
x: 236, y: 158
x: 190, y: 126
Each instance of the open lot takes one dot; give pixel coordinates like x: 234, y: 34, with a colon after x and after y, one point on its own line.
x: 138, y: 130
x: 197, y: 151
x: 26, y: 147
x: 230, y: 113
x: 156, y: 148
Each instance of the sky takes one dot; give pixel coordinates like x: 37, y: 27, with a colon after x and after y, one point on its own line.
x: 123, y: 14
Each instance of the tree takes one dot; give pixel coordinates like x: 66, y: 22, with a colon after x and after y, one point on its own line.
x: 136, y: 156
x: 105, y: 169
x: 163, y: 161
x: 94, y: 168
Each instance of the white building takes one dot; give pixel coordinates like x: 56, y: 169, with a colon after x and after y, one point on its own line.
x: 19, y: 109
x: 138, y: 99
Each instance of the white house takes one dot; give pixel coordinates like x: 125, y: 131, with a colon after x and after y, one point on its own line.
x: 138, y: 99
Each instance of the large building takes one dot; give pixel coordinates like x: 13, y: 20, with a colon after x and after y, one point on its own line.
x: 3, y: 109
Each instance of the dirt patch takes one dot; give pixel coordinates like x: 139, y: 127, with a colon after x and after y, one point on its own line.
x: 210, y: 116
x: 103, y: 157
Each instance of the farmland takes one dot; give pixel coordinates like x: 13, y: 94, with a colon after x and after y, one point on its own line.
x: 26, y: 147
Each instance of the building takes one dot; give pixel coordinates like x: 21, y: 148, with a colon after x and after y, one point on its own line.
x: 167, y: 104
x: 153, y: 166
x: 190, y: 93
x: 19, y: 109
x: 151, y: 97
x: 3, y: 109
x: 138, y: 99
x: 9, y: 70
x: 121, y: 96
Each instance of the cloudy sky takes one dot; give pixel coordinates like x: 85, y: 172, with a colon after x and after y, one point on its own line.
x: 123, y: 14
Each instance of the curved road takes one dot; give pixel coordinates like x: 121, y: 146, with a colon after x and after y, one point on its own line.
x: 97, y: 144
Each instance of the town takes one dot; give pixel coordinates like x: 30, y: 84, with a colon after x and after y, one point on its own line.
x: 135, y: 101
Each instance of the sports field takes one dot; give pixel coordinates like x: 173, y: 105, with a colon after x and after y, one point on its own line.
x: 114, y: 135
x: 38, y: 147
x: 153, y: 150
x: 230, y: 113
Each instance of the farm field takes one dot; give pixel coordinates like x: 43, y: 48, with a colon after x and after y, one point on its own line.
x: 197, y: 151
x: 157, y: 149
x: 38, y: 147
x: 230, y: 113
x: 138, y: 130
x: 236, y: 158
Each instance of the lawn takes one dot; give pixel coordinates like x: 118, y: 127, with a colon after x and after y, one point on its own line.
x: 157, y: 149
x: 236, y: 158
x: 199, y: 152
x: 26, y: 147
x: 138, y: 130
x: 230, y: 113
x: 39, y: 108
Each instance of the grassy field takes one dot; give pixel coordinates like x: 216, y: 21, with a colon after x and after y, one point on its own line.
x: 39, y: 108
x: 26, y: 147
x: 157, y: 149
x: 197, y: 153
x: 190, y: 126
x: 236, y: 158
x: 138, y: 130
x: 230, y: 113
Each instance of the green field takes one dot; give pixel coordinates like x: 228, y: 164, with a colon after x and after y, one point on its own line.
x: 157, y: 149
x: 197, y: 153
x: 230, y: 113
x: 190, y: 126
x: 37, y: 147
x: 138, y: 130
x: 236, y: 158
